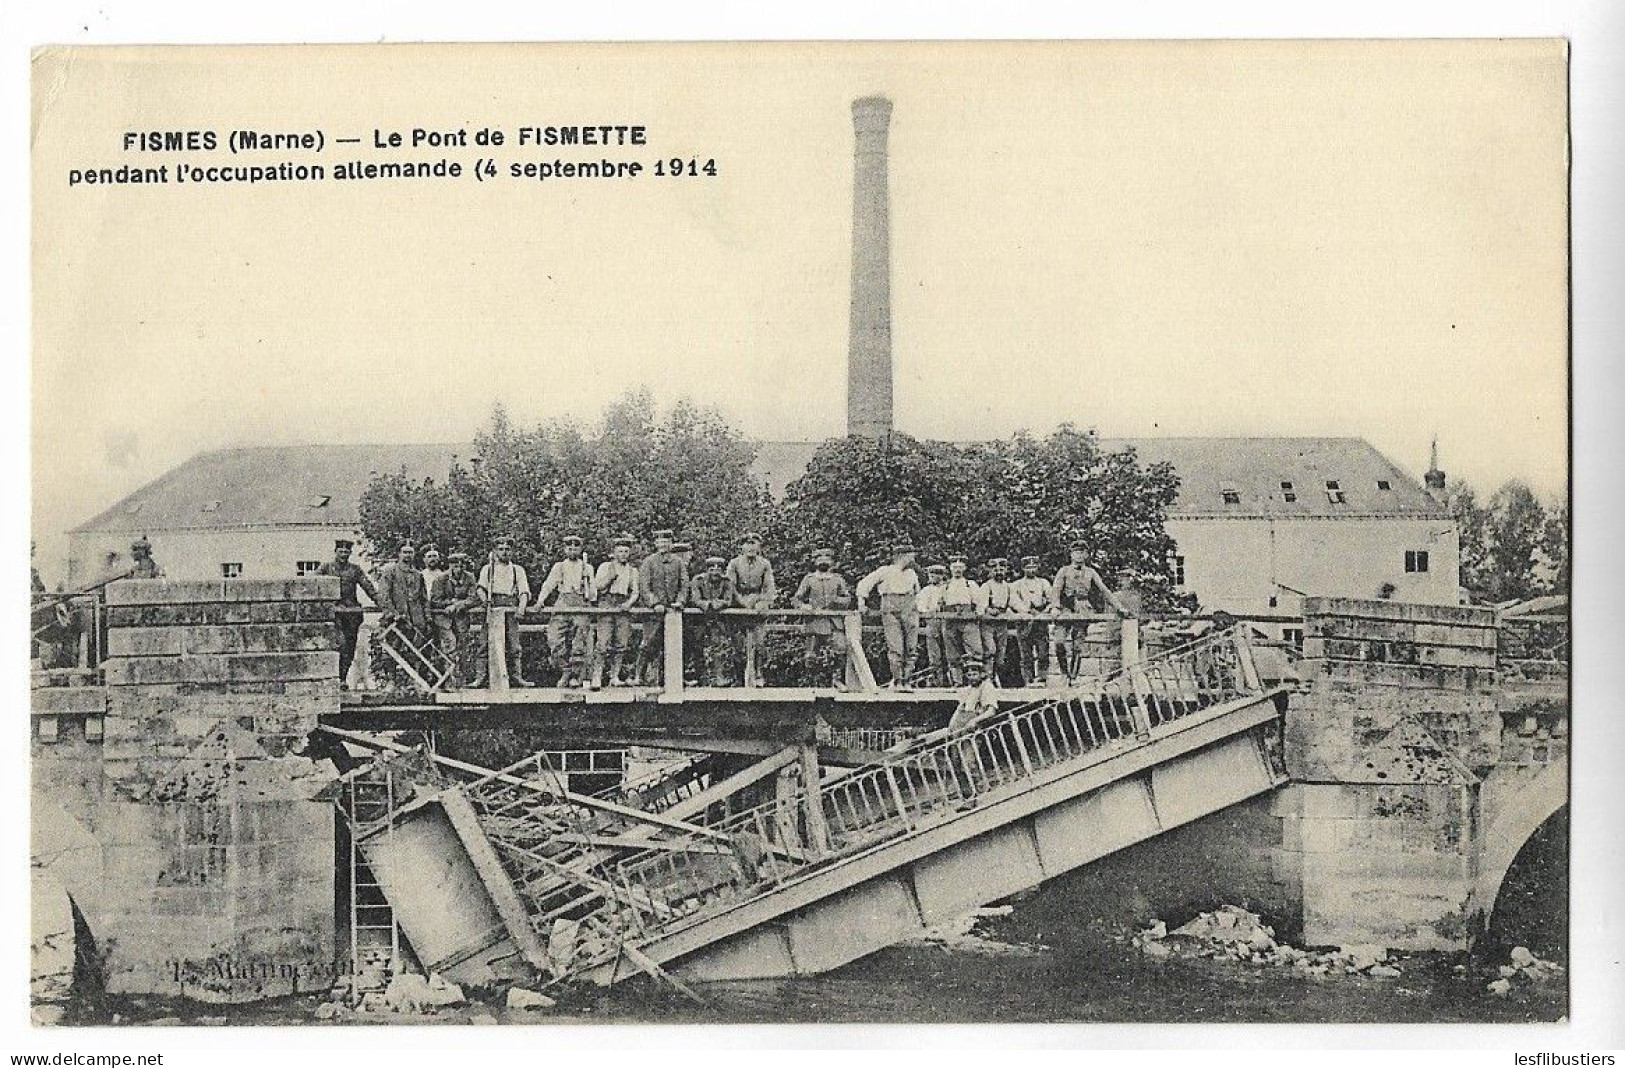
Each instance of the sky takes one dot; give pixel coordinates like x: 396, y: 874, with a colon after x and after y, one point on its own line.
x: 1362, y: 239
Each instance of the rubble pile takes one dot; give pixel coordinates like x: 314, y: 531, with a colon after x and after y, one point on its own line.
x: 960, y: 934
x: 1233, y: 933
x: 406, y: 993
x: 1523, y: 968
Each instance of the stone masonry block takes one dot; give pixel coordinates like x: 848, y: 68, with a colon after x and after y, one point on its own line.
x: 248, y: 667
x: 171, y: 592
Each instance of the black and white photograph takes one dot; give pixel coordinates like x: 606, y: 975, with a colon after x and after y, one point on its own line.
x: 1050, y: 532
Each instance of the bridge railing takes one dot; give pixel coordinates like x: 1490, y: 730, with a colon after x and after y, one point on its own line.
x: 931, y: 780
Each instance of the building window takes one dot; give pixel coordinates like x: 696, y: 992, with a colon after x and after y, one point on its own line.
x: 231, y: 571
x: 1334, y: 492
x: 1230, y: 493
x: 1288, y: 494
x: 1416, y: 561
x: 1293, y: 635
x: 306, y: 568
x: 1176, y: 564
x: 1384, y: 485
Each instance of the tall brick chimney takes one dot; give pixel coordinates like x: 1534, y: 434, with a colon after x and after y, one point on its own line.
x: 868, y: 361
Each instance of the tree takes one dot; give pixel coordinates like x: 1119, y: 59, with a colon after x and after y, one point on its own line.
x: 1011, y: 498
x: 1513, y: 547
x: 633, y: 472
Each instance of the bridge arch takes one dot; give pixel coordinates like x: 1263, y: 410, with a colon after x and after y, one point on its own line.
x: 1516, y: 821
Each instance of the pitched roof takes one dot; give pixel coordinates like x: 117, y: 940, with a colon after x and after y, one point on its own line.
x: 273, y: 486
x: 269, y: 486
x: 1252, y: 470
x: 1250, y: 476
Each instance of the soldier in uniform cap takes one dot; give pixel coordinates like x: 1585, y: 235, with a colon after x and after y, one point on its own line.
x: 663, y: 582
x: 962, y: 602
x: 825, y: 588
x: 998, y: 633
x: 750, y: 578
x: 145, y: 566
x: 929, y: 605
x: 1079, y: 588
x: 616, y: 586
x: 1035, y: 597
x: 463, y: 605
x: 506, y: 587
x: 569, y: 581
x: 898, y: 584
x: 709, y: 592
x: 347, y: 610
x: 402, y: 600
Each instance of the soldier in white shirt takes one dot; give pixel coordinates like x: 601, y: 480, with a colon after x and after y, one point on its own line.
x: 963, y: 601
x: 569, y: 581
x: 929, y: 602
x: 1036, y: 598
x: 507, y: 589
x: 898, y: 584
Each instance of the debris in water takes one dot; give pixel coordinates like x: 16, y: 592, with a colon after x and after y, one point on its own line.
x: 520, y: 999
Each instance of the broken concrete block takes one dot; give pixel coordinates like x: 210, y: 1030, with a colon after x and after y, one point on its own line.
x: 1522, y: 958
x: 326, y: 1010
x: 482, y: 1018
x: 524, y: 1000
x: 407, y: 992
x: 1500, y: 988
x: 442, y: 993
x: 1365, y: 955
x: 1384, y: 971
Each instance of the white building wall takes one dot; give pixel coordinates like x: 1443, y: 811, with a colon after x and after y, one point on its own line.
x: 1238, y: 564
x: 199, y: 554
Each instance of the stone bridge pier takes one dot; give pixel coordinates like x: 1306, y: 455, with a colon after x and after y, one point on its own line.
x: 173, y: 805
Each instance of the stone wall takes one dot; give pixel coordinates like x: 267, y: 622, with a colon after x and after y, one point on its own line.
x: 217, y: 854
x: 1388, y: 746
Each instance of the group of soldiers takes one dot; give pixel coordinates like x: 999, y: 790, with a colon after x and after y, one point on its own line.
x: 970, y: 628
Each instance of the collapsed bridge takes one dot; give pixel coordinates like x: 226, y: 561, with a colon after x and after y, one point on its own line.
x: 229, y: 825
x: 708, y: 881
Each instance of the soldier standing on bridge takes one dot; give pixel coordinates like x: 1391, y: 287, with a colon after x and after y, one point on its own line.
x: 750, y: 578
x: 569, y: 634
x: 929, y: 604
x: 467, y: 650
x: 962, y: 602
x: 506, y: 588
x: 437, y: 591
x: 899, y: 586
x: 615, y: 586
x: 402, y: 600
x: 709, y: 593
x: 663, y: 582
x: 825, y: 589
x: 1079, y: 588
x: 347, y: 611
x: 1033, y: 597
x: 998, y: 633
x: 145, y: 566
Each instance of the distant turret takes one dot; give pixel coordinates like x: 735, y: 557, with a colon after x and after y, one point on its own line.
x: 1433, y: 478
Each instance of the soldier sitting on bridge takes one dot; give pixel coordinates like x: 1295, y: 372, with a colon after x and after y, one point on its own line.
x: 145, y: 566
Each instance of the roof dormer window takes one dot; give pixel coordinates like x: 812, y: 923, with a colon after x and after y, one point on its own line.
x: 320, y: 501
x: 1334, y: 492
x: 1384, y: 485
x: 1230, y: 493
x: 1288, y: 494
x: 210, y: 506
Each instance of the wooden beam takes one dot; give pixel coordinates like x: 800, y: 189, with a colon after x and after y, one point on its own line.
x: 632, y: 815
x: 817, y: 828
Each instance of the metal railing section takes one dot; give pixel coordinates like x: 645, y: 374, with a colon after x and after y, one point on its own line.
x: 774, y: 843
